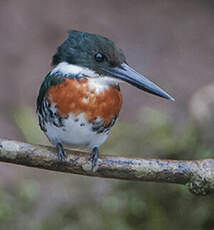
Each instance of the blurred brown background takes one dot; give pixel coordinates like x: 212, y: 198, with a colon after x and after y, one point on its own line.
x: 171, y: 42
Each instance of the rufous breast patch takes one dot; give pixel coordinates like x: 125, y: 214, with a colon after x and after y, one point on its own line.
x: 75, y: 96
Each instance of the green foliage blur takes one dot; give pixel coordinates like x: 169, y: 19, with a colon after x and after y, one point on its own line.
x: 122, y: 205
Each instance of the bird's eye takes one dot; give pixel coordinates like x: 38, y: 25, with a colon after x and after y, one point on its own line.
x: 99, y: 57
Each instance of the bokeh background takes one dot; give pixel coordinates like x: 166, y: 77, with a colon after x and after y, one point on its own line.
x: 171, y: 42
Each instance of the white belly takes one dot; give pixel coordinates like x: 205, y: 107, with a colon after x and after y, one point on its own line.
x: 76, y: 132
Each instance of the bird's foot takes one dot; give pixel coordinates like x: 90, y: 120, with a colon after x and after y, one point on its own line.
x: 94, y: 156
x: 61, y: 153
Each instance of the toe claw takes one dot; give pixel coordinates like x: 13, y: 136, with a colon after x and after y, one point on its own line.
x: 61, y: 153
x: 94, y: 157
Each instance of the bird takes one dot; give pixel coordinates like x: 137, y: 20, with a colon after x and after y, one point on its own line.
x: 80, y: 98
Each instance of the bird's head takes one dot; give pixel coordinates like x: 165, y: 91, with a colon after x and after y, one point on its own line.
x: 97, y: 56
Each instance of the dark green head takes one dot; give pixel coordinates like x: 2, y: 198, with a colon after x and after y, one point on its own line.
x: 99, y: 56
x: 92, y: 51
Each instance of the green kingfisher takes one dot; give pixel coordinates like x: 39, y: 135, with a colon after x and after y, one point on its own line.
x: 80, y: 98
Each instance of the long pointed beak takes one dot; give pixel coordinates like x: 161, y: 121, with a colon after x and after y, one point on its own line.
x: 127, y: 74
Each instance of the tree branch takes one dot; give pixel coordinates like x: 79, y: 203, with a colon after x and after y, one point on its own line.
x: 197, y: 174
